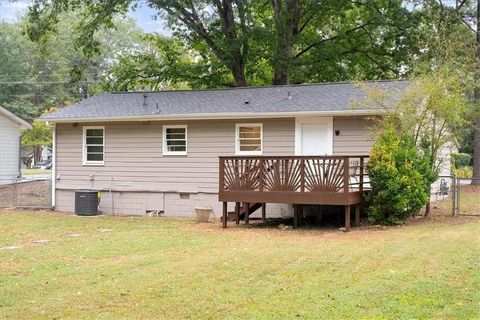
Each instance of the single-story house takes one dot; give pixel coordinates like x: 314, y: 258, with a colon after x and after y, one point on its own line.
x: 10, y: 126
x: 171, y: 151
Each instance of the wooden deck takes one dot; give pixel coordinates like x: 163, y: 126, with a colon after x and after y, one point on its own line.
x: 253, y: 181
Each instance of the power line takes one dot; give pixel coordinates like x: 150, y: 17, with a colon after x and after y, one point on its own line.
x: 45, y: 75
x: 46, y: 82
x: 40, y: 95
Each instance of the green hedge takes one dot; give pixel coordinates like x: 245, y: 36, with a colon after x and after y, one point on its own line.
x: 461, y: 160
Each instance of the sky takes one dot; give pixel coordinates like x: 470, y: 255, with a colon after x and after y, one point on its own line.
x: 143, y: 15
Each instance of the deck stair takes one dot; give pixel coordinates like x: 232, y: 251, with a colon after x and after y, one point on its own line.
x: 232, y: 215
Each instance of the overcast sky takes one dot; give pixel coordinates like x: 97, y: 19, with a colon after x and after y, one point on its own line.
x: 12, y: 11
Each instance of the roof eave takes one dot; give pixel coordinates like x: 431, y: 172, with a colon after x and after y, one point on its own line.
x: 23, y: 124
x: 216, y: 116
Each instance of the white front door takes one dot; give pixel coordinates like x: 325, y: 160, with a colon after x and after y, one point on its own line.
x: 314, y: 136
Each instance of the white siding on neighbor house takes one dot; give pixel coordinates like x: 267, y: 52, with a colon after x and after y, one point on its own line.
x: 9, y: 149
x: 141, y: 176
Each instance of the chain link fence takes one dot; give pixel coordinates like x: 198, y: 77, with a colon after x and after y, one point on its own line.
x: 456, y: 196
x: 25, y: 193
x: 467, y: 200
x: 443, y: 195
x: 450, y: 195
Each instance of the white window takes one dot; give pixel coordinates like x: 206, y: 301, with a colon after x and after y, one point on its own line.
x: 93, y: 145
x: 249, y: 139
x: 175, y: 140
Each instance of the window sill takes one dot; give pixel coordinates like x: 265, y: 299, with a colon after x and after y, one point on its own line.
x: 175, y: 154
x: 93, y: 164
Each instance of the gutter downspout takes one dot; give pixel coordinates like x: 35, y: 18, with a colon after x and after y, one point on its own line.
x: 54, y: 164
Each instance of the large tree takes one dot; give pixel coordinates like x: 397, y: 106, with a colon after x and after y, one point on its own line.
x: 340, y: 39
x: 220, y: 26
x: 37, y: 76
x: 301, y: 40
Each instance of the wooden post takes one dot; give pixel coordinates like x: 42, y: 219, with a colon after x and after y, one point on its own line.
x: 224, y: 221
x: 357, y: 215
x: 300, y: 214
x: 362, y: 164
x: 237, y: 212
x: 302, y: 175
x: 264, y: 212
x: 221, y: 176
x: 247, y: 209
x: 295, y: 216
x: 260, y: 175
x: 346, y: 174
x: 347, y: 218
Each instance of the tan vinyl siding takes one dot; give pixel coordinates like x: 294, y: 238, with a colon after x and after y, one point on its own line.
x: 134, y: 160
x: 142, y: 179
x: 355, y: 136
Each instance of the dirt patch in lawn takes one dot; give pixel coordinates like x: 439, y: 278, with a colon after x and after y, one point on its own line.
x: 258, y: 229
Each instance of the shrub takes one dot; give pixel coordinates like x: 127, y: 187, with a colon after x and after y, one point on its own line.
x: 400, y: 178
x: 461, y: 160
x: 463, y: 172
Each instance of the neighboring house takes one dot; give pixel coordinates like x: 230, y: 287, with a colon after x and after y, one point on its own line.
x: 160, y: 150
x: 10, y: 126
x: 28, y: 157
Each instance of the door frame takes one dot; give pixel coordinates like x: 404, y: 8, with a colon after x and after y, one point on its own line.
x: 299, y: 121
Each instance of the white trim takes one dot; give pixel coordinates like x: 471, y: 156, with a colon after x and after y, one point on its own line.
x: 222, y: 116
x: 54, y: 164
x: 298, y: 132
x: 237, y: 144
x: 85, y: 162
x: 164, y: 140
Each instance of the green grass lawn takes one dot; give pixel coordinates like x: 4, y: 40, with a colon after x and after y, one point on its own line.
x: 161, y: 268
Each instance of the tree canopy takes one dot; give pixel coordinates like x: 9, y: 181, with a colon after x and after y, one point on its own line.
x: 35, y: 76
x: 65, y: 50
x: 220, y: 43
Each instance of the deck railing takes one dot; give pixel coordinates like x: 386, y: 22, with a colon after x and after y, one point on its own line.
x: 296, y: 174
x: 293, y: 179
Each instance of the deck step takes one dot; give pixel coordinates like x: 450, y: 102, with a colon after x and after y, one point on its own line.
x: 253, y: 207
x: 232, y: 216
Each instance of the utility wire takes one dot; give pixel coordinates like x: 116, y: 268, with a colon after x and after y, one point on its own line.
x: 40, y: 95
x: 46, y: 82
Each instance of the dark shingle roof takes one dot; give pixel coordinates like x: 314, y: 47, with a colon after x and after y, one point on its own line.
x: 327, y: 97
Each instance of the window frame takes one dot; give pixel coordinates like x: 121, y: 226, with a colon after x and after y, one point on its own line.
x: 237, y: 139
x: 84, y: 143
x: 164, y: 140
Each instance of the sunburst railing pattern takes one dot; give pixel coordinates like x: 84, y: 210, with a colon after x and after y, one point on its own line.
x: 299, y: 174
x: 241, y: 173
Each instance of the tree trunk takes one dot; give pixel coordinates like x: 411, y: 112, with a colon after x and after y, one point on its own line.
x: 281, y: 75
x: 228, y: 46
x: 287, y: 16
x: 37, y: 154
x: 427, y: 207
x: 476, y: 140
x: 238, y: 72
